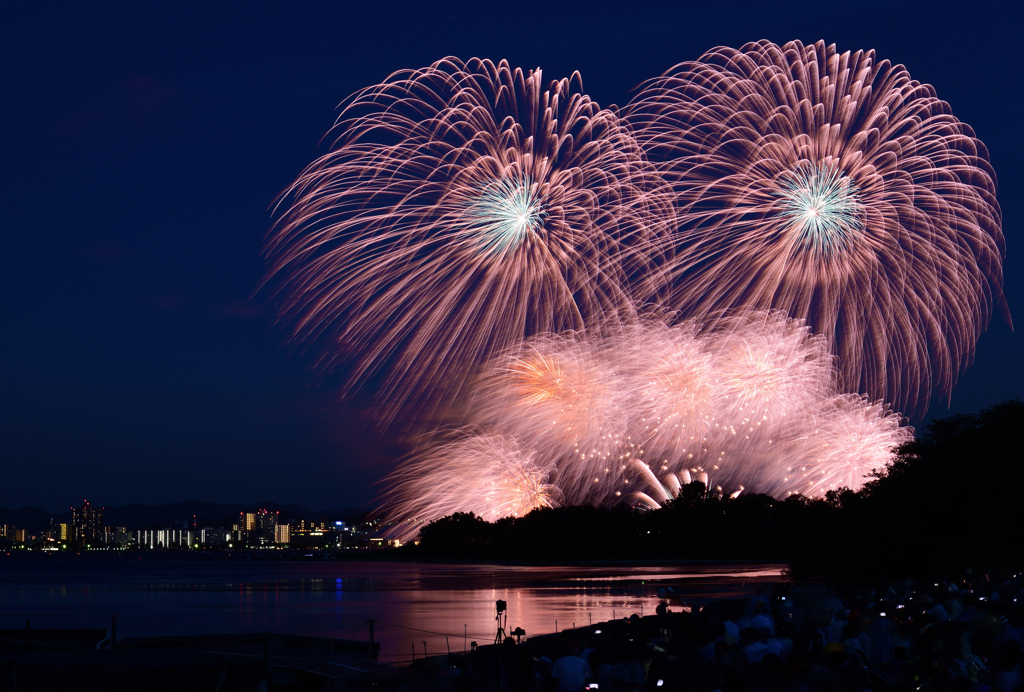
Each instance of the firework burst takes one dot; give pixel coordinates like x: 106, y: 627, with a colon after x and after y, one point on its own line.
x: 565, y: 399
x: 675, y: 386
x: 837, y: 189
x: 486, y: 474
x: 461, y: 208
x: 846, y: 438
x: 745, y: 404
x: 771, y: 367
x: 481, y: 247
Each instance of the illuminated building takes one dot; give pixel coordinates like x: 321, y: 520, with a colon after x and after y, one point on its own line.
x: 282, y: 533
x: 266, y: 520
x: 86, y: 524
x: 260, y: 527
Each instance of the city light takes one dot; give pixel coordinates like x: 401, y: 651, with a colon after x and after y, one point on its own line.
x: 259, y: 530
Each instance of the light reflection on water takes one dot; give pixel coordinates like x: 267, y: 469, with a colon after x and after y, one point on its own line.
x: 411, y: 603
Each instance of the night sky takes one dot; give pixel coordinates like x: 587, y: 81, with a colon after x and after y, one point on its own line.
x: 143, y: 146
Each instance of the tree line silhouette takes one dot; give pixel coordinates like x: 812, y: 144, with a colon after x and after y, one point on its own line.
x: 949, y: 500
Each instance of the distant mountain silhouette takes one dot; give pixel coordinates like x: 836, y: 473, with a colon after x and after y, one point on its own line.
x: 138, y: 516
x: 31, y: 519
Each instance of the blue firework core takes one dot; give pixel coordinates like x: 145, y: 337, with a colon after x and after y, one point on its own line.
x: 820, y: 208
x: 506, y: 213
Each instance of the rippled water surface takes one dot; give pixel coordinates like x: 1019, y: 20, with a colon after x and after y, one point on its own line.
x: 410, y: 603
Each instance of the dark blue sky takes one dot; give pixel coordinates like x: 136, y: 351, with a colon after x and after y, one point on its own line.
x: 142, y: 147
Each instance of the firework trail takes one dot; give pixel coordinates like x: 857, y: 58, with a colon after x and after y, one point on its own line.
x: 461, y: 208
x: 486, y: 474
x: 632, y: 414
x: 837, y: 189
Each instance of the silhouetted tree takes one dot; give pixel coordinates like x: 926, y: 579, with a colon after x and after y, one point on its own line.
x: 948, y: 500
x: 460, y: 534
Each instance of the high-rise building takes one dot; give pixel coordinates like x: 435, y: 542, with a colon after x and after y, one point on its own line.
x: 259, y: 527
x: 86, y: 524
x: 63, y: 532
x: 266, y: 520
x: 282, y: 533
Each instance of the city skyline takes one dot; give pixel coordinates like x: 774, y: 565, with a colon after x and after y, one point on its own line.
x: 260, y: 528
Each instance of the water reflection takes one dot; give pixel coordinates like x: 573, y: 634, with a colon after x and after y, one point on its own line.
x: 446, y: 606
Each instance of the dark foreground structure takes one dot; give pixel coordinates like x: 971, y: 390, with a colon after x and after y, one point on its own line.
x: 950, y: 500
x: 89, y: 660
x: 962, y: 634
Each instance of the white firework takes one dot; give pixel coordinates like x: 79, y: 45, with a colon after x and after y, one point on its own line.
x: 507, y: 213
x: 820, y: 208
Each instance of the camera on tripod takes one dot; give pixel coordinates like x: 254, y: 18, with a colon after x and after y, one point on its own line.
x: 501, y: 607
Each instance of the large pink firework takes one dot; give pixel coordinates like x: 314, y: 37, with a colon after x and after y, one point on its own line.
x: 747, y: 404
x: 461, y: 208
x: 675, y: 387
x: 565, y: 398
x: 836, y: 188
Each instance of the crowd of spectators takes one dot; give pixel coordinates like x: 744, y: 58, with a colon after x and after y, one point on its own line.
x: 963, y: 634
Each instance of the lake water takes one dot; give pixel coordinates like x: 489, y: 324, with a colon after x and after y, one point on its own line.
x: 411, y: 603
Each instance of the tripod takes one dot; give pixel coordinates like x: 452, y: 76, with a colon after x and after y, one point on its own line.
x: 499, y: 636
